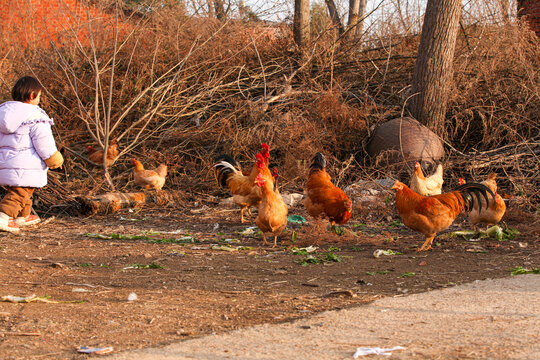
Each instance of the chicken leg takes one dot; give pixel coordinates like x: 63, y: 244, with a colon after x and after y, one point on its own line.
x: 427, y: 244
x: 264, y: 239
x: 242, y: 214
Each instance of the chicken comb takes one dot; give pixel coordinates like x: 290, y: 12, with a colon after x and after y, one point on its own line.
x: 275, y: 172
x: 265, y: 147
x: 259, y: 160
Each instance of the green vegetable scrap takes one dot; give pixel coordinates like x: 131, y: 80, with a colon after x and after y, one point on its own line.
x: 407, y: 274
x: 153, y: 265
x: 519, y: 270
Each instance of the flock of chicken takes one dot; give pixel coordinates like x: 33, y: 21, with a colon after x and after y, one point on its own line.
x: 423, y: 207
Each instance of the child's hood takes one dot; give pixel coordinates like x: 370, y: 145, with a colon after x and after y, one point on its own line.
x: 14, y: 113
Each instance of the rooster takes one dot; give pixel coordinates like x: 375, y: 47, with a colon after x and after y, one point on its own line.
x: 494, y: 212
x: 149, y: 178
x: 96, y: 156
x: 324, y: 199
x: 431, y: 185
x: 243, y: 188
x: 431, y: 214
x: 272, y: 215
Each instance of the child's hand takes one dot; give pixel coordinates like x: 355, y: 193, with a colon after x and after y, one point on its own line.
x: 55, y: 161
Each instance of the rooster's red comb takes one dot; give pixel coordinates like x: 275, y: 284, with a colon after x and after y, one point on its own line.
x: 265, y: 147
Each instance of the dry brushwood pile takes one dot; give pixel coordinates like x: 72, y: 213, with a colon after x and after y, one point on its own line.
x: 198, y: 89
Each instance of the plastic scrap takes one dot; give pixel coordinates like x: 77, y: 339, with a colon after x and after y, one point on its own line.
x: 386, y: 182
x: 377, y: 253
x: 362, y: 351
x: 97, y: 351
x: 132, y: 296
x: 296, y: 219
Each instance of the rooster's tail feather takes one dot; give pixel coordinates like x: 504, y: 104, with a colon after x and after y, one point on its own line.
x: 471, y: 193
x: 223, y: 170
x: 318, y: 163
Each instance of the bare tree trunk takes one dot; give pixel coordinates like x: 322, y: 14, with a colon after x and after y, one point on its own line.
x: 334, y: 15
x: 505, y: 11
x: 219, y: 9
x: 357, y: 9
x: 433, y: 72
x: 301, y: 28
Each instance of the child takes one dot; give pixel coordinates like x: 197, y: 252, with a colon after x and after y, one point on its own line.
x: 27, y: 148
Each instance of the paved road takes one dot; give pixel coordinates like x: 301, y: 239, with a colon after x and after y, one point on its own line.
x: 491, y: 319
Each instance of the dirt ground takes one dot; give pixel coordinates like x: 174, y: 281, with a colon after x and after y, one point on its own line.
x: 195, y: 273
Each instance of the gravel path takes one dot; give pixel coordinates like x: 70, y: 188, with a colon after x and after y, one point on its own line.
x: 491, y: 319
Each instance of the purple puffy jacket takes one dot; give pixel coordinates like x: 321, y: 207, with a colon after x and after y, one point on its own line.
x: 26, y: 140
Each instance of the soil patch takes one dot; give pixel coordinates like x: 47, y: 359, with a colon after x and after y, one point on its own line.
x: 197, y: 271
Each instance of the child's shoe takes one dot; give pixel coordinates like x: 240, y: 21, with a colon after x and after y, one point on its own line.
x: 29, y: 220
x: 9, y: 226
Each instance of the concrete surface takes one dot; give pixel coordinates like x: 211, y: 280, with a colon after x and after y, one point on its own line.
x: 491, y: 319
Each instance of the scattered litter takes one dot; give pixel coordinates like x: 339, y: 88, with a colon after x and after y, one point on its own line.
x: 292, y: 199
x: 296, y: 219
x: 362, y: 351
x: 248, y: 231
x: 80, y: 290
x: 523, y: 245
x: 386, y: 182
x: 230, y: 241
x: 304, y: 250
x: 224, y: 248
x: 132, y: 296
x: 216, y: 226
x: 377, y: 253
x: 179, y: 231
x: 87, y: 285
x: 476, y: 249
x: 127, y: 219
x: 96, y: 351
x: 27, y: 299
